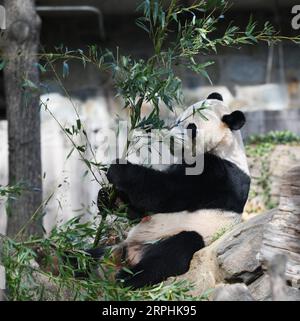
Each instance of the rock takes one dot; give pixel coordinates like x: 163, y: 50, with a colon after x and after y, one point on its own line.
x: 282, y: 158
x: 231, y: 258
x: 266, y: 172
x: 277, y: 272
x: 282, y: 233
x: 260, y: 289
x: 233, y: 292
x: 204, y: 271
x: 293, y: 294
x: 237, y: 253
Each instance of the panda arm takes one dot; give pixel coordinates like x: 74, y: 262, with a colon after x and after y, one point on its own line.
x: 145, y: 189
x: 135, y: 178
x: 148, y: 191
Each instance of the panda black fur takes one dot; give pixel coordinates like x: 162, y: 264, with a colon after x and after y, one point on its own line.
x: 163, y: 244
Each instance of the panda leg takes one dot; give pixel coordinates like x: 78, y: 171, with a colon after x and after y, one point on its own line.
x: 169, y: 257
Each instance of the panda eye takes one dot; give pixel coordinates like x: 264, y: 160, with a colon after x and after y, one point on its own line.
x: 192, y: 130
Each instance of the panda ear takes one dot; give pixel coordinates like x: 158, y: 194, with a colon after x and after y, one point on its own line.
x: 215, y: 96
x: 235, y: 121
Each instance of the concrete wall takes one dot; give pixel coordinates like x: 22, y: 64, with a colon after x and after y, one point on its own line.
x: 233, y: 67
x: 68, y: 186
x: 261, y: 122
x: 242, y: 67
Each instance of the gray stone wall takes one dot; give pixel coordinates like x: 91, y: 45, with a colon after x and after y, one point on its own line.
x: 261, y: 122
x: 243, y: 67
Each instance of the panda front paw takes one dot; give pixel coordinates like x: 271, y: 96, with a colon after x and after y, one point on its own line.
x: 134, y: 214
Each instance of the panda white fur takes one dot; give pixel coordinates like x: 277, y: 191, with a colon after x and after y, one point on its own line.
x: 182, y: 206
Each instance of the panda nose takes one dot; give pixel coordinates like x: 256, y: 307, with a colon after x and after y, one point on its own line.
x: 192, y: 130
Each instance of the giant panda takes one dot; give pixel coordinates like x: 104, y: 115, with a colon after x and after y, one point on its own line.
x: 175, y: 208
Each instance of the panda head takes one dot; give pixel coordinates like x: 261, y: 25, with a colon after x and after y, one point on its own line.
x: 211, y: 125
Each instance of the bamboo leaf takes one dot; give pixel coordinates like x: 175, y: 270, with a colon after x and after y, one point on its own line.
x: 2, y: 64
x: 78, y: 123
x: 66, y: 69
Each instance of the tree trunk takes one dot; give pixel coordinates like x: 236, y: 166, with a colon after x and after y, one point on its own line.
x: 20, y: 49
x: 282, y: 234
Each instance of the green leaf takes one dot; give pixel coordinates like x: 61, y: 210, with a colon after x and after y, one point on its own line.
x: 29, y: 84
x: 88, y: 164
x: 127, y: 270
x: 155, y: 11
x: 253, y: 38
x: 41, y: 68
x: 141, y: 25
x: 194, y: 20
x: 66, y: 69
x: 163, y: 19
x: 70, y: 153
x: 78, y: 123
x: 204, y: 73
x: 2, y: 64
x: 81, y: 148
x: 85, y: 173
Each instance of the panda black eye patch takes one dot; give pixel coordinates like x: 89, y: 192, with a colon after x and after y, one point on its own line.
x: 192, y: 130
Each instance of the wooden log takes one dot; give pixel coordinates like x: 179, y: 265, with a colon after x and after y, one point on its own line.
x: 282, y: 233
